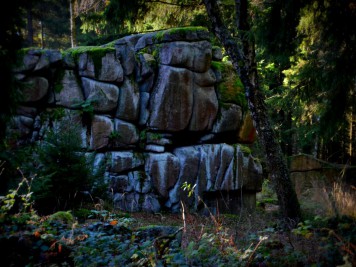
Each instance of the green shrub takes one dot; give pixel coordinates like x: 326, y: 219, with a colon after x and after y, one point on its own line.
x: 81, y: 214
x: 62, y: 216
x: 64, y: 170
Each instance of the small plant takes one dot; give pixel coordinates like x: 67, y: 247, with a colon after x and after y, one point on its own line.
x: 52, y: 114
x: 245, y: 149
x: 102, y: 215
x: 86, y: 108
x: 114, y: 135
x: 189, y: 188
x: 81, y: 214
x: 155, y: 136
x: 267, y: 195
x: 18, y: 200
x: 114, y: 138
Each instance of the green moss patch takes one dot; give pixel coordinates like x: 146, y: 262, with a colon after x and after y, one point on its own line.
x: 21, y: 53
x: 58, y: 78
x: 62, y: 216
x: 181, y: 32
x: 185, y: 30
x: 110, y: 44
x: 245, y: 149
x: 96, y: 53
x: 230, y: 89
x: 219, y: 66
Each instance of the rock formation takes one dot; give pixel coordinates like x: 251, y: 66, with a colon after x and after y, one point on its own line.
x: 157, y: 110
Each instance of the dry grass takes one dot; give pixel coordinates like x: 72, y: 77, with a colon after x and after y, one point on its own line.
x: 344, y: 198
x: 329, y: 200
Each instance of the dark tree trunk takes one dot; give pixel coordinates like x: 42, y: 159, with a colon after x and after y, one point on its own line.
x: 353, y: 138
x: 242, y: 54
x: 29, y: 38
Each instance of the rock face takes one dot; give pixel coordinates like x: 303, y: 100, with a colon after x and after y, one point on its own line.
x: 308, y: 172
x: 161, y: 112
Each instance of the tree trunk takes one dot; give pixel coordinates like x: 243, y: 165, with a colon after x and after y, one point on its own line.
x: 29, y: 38
x: 73, y: 29
x: 242, y: 54
x: 42, y: 35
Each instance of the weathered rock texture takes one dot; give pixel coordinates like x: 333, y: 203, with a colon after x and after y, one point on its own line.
x: 308, y: 172
x: 159, y: 110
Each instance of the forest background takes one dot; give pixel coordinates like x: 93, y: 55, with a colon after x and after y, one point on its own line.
x: 305, y: 53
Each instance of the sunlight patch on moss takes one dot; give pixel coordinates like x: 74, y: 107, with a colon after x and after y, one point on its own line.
x: 94, y: 52
x: 181, y: 31
x: 230, y: 89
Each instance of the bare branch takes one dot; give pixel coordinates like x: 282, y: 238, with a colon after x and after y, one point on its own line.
x: 174, y: 4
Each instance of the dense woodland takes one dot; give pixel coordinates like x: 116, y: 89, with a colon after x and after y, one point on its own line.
x: 297, y: 62
x: 304, y: 55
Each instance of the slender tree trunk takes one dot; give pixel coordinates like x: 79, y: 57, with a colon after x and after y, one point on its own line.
x: 73, y: 29
x: 242, y: 54
x: 42, y: 35
x: 29, y: 26
x: 351, y: 130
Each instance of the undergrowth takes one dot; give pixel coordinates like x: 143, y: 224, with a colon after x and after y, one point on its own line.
x: 111, y: 238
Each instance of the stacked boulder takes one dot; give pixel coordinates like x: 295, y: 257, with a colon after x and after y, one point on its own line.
x: 162, y: 113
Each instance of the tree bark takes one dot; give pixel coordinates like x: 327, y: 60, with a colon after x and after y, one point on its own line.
x: 42, y: 35
x: 241, y: 51
x: 73, y: 29
x: 29, y: 26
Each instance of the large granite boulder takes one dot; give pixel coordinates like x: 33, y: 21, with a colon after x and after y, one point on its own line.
x: 98, y: 63
x: 129, y: 102
x: 101, y: 128
x: 161, y: 112
x: 69, y: 91
x: 103, y: 96
x: 172, y: 99
x: 34, y: 89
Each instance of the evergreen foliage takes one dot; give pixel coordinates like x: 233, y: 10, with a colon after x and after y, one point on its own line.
x: 49, y: 23
x: 329, y: 48
x: 122, y: 17
x: 306, y: 53
x: 63, y: 172
x: 124, y: 13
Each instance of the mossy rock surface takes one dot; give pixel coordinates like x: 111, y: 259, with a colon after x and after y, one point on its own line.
x: 62, y: 216
x: 27, y: 58
x: 182, y: 33
x: 185, y: 34
x: 58, y: 78
x: 28, y: 50
x: 230, y: 89
x: 96, y: 53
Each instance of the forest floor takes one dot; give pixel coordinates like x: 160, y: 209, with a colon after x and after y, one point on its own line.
x: 261, y: 238
x: 325, y: 237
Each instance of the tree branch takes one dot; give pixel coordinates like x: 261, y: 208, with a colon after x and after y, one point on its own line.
x: 174, y: 4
